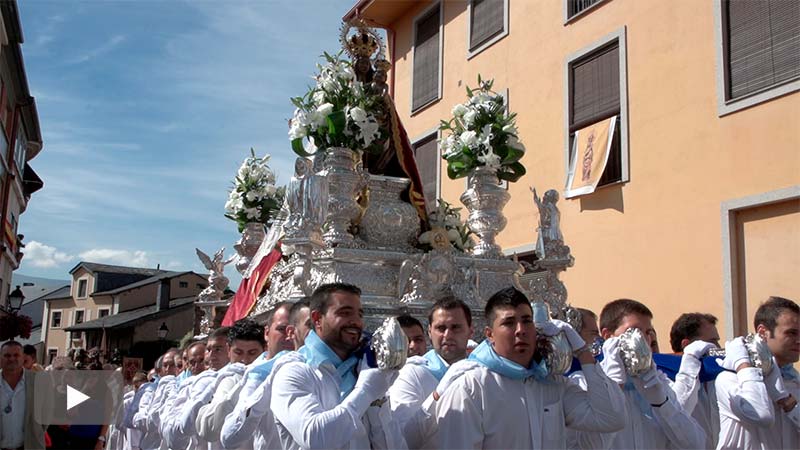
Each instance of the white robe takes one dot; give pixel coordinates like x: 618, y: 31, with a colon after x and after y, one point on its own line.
x: 178, y: 423
x: 787, y: 425
x: 414, y: 384
x: 485, y: 410
x: 746, y: 412
x: 212, y: 415
x: 306, y: 404
x: 666, y: 427
x: 243, y: 427
x: 698, y: 399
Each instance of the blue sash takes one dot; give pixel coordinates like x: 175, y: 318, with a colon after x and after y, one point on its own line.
x: 261, y: 371
x: 435, y: 364
x: 316, y: 352
x: 485, y: 355
x: 670, y: 364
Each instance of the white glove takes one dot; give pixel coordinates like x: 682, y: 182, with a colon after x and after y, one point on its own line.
x: 735, y: 354
x: 612, y: 361
x: 698, y: 348
x: 372, y: 384
x: 554, y: 326
x: 455, y: 371
x: 651, y: 387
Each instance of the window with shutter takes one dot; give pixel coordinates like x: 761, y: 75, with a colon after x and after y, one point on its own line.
x: 426, y: 154
x: 763, y: 45
x: 487, y: 20
x: 594, y: 95
x: 427, y: 58
x: 575, y: 7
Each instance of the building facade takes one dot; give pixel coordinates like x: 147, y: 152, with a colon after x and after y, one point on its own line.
x: 114, y: 307
x: 698, y: 207
x: 20, y: 142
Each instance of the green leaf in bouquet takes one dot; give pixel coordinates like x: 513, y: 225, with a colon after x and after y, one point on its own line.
x: 512, y: 155
x: 511, y: 172
x: 336, y: 122
x: 297, y: 147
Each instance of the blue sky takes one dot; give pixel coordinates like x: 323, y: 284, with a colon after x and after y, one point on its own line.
x: 147, y: 109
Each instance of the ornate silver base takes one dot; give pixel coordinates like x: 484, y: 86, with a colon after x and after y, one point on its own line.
x: 485, y: 199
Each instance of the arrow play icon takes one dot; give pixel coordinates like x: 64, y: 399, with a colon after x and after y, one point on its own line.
x: 75, y: 397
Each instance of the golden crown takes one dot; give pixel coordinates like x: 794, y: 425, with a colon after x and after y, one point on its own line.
x: 364, y: 43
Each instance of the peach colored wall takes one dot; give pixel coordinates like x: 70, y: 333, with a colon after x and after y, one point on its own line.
x: 657, y: 237
x: 768, y: 246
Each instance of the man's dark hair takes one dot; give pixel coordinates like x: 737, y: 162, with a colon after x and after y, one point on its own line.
x: 271, y: 312
x: 246, y: 330
x: 767, y: 314
x: 219, y: 332
x: 687, y: 326
x: 509, y: 297
x: 321, y: 296
x: 585, y: 312
x: 407, y: 321
x: 613, y: 313
x: 11, y: 344
x: 294, y: 312
x: 450, y: 302
x: 29, y: 350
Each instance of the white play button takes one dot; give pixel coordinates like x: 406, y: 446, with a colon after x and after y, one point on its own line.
x: 75, y: 397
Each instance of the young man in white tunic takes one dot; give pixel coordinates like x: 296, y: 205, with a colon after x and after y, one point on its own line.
x: 692, y: 335
x: 250, y: 424
x: 152, y: 396
x: 246, y: 338
x: 655, y: 418
x: 176, y: 428
x: 507, y: 400
x: 449, y: 327
x: 757, y: 410
x: 318, y: 398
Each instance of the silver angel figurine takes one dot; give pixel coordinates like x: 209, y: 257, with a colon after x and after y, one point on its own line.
x: 217, y: 281
x: 549, y: 222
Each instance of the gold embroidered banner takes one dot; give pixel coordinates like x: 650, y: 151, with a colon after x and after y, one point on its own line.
x: 590, y: 150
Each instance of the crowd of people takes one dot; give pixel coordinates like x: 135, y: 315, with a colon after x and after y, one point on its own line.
x: 301, y: 382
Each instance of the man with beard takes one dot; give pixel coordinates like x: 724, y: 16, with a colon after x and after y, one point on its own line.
x: 246, y: 341
x: 692, y: 336
x: 760, y: 410
x: 450, y: 327
x: 318, y: 398
x: 508, y: 401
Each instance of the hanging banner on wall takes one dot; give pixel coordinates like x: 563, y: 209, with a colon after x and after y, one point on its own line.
x: 590, y: 149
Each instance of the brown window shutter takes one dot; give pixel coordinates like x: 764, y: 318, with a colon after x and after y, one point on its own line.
x: 486, y: 22
x: 426, y: 59
x: 426, y: 154
x: 763, y: 49
x: 595, y: 87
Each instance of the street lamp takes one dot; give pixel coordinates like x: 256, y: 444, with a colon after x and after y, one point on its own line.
x: 15, y: 299
x: 162, y: 331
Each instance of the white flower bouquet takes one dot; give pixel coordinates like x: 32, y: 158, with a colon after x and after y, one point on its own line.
x: 338, y: 111
x: 447, y: 218
x: 254, y: 197
x: 482, y: 134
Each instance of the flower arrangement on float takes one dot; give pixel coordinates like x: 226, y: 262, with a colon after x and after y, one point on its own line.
x: 482, y: 134
x: 254, y: 196
x: 338, y: 111
x: 446, y: 217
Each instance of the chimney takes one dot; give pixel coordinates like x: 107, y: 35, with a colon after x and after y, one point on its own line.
x: 162, y: 297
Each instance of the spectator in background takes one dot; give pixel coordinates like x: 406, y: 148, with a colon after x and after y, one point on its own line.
x: 29, y: 358
x: 417, y: 346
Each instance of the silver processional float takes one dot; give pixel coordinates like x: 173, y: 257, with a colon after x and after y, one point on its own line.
x: 346, y: 218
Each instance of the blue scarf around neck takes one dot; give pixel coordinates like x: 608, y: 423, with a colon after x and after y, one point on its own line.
x: 485, y: 355
x: 317, y: 352
x: 261, y: 369
x: 435, y: 364
x: 789, y: 373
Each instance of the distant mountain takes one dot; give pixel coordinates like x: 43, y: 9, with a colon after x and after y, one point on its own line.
x: 35, y: 287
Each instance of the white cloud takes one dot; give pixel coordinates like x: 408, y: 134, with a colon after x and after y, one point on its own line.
x: 98, y: 51
x: 136, y: 258
x: 44, y: 256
